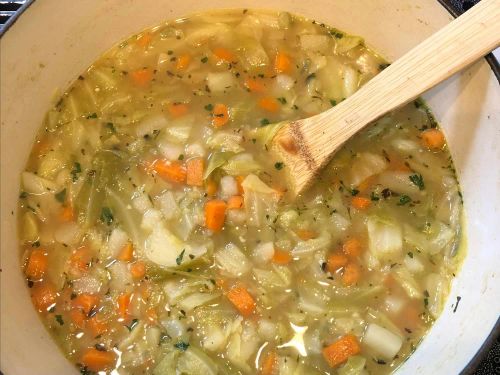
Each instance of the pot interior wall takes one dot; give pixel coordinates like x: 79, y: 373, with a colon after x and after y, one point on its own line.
x: 54, y: 41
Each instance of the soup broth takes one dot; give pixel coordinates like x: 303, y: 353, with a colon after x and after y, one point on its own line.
x: 157, y: 235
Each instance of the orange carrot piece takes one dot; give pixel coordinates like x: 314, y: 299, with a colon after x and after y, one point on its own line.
x: 172, y: 171
x: 141, y: 77
x: 282, y: 63
x: 98, y: 360
x: 79, y: 260
x: 194, y: 171
x: 67, y: 213
x: 126, y: 253
x: 97, y: 327
x: 177, y: 109
x: 37, y: 264
x: 220, y: 115
x: 351, y: 275
x: 352, y: 247
x: 433, y: 139
x: 123, y: 302
x: 43, y: 295
x: 281, y: 257
x: 211, y: 188
x: 183, y: 61
x: 138, y: 270
x: 254, y: 85
x: 366, y: 183
x: 239, y: 183
x: 235, y: 202
x: 397, y: 164
x: 361, y: 203
x: 78, y: 318
x: 270, y: 364
x: 338, y: 352
x: 86, y: 302
x: 242, y: 300
x: 305, y: 234
x: 336, y: 262
x: 269, y: 104
x: 224, y: 54
x: 144, y: 39
x: 215, y: 212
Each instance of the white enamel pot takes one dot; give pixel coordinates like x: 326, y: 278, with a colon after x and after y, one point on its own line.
x: 54, y: 40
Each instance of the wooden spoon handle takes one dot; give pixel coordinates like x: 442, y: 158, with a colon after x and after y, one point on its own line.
x: 458, y: 44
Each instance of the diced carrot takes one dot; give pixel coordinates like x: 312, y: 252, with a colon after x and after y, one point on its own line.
x: 352, y: 247
x: 141, y: 77
x: 254, y: 85
x: 123, y: 302
x: 211, y: 188
x: 281, y: 256
x: 151, y: 315
x: 220, y: 115
x: 282, y: 63
x: 340, y: 351
x: 242, y: 300
x: 361, y: 203
x: 86, y: 302
x: 177, y: 109
x: 67, y: 212
x: 98, y: 360
x: 79, y: 260
x: 239, y: 182
x: 269, y: 104
x: 144, y: 39
x: 351, y: 275
x: 78, y: 318
x: 433, y: 139
x: 215, y: 212
x: 138, y: 270
x: 270, y: 364
x: 224, y: 54
x: 336, y: 262
x: 43, y: 295
x: 172, y: 171
x: 183, y: 61
x: 194, y: 170
x: 397, y: 164
x: 126, y: 253
x: 97, y: 327
x: 37, y: 264
x: 235, y: 202
x: 305, y: 234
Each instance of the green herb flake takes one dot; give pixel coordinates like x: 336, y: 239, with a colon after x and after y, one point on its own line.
x: 383, y: 66
x: 77, y: 168
x: 91, y: 116
x: 410, y: 254
x: 181, y: 157
x: 333, y: 102
x: 182, y: 346
x: 264, y: 122
x: 59, y: 319
x: 374, y: 197
x: 132, y: 324
x: 23, y: 195
x: 111, y: 126
x: 404, y: 199
x: 282, y: 100
x: 204, y: 60
x: 279, y: 165
x: 354, y: 192
x: 61, y: 196
x: 107, y: 215
x: 209, y: 107
x: 178, y: 260
x: 310, y: 76
x: 418, y: 180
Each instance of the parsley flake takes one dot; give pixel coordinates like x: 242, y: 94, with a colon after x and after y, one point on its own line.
x: 178, y: 260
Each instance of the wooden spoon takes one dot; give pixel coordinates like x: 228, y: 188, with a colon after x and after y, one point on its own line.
x: 306, y: 146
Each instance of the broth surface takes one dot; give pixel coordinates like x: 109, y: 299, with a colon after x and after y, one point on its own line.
x: 157, y: 235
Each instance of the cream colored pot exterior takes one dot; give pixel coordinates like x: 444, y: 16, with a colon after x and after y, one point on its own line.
x: 55, y: 40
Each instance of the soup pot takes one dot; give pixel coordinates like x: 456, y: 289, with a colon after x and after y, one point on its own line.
x: 54, y: 41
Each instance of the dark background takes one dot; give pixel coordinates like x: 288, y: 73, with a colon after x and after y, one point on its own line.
x: 487, y: 361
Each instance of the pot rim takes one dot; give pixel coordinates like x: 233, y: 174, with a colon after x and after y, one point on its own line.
x: 494, y: 64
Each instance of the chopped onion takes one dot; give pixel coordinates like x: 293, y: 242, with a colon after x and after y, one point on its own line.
x: 228, y: 187
x: 220, y: 82
x: 151, y: 123
x: 385, y: 237
x: 232, y: 261
x: 382, y: 341
x: 365, y: 165
x: 117, y: 240
x: 68, y: 233
x: 263, y: 252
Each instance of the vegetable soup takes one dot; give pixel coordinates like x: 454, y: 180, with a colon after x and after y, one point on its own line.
x: 157, y: 235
